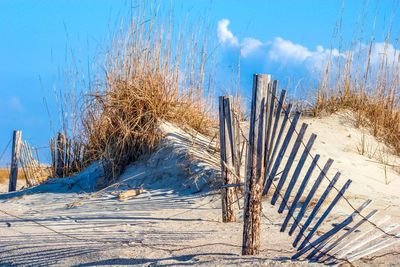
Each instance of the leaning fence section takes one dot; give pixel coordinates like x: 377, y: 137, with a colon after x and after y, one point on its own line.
x: 275, y: 142
x: 27, y: 157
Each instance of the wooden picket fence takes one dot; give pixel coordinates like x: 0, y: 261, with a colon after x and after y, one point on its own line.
x: 28, y: 157
x: 273, y: 125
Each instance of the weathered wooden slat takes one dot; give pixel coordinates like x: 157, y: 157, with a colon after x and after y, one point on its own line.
x: 28, y: 163
x: 16, y: 147
x: 315, y: 211
x: 53, y: 155
x: 276, y: 121
x: 331, y: 232
x: 227, y: 151
x: 60, y: 162
x: 281, y: 153
x: 300, y: 192
x: 296, y: 173
x: 33, y: 164
x: 270, y: 115
x: 279, y: 136
x: 289, y: 162
x: 310, y: 195
x: 367, y: 240
x: 383, y: 243
x: 359, y: 236
x: 326, y: 213
x: 341, y: 238
x: 255, y: 167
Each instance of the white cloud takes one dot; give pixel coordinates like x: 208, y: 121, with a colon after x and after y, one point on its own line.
x: 249, y: 46
x: 224, y: 35
x: 283, y: 50
x: 384, y: 51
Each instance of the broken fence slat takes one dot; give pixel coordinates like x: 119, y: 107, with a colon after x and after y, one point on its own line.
x: 346, y: 234
x: 326, y: 213
x: 300, y: 192
x: 281, y: 153
x: 289, y: 162
x: 296, y: 173
x: 331, y: 232
x: 315, y: 211
x: 310, y: 195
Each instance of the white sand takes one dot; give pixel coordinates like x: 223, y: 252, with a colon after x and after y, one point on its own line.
x: 176, y: 221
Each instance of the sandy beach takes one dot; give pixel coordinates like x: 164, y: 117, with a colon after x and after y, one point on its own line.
x: 176, y: 221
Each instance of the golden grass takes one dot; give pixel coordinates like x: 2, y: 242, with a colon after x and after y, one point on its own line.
x: 149, y: 73
x: 367, y: 86
x: 5, y: 175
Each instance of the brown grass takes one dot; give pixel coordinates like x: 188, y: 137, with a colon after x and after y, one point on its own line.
x: 367, y: 87
x: 149, y: 73
x: 5, y: 175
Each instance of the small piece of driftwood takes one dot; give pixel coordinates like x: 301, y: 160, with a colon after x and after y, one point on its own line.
x: 91, y: 195
x: 130, y: 194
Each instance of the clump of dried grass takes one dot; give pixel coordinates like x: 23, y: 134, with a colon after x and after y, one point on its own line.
x: 5, y: 175
x: 148, y: 76
x: 365, y: 85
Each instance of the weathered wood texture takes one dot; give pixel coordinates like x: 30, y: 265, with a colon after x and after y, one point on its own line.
x: 269, y: 163
x: 60, y: 158
x: 255, y: 166
x: 34, y: 172
x: 16, y: 147
x: 319, y: 243
x: 230, y: 159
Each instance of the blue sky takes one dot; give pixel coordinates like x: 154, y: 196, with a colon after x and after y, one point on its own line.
x: 285, y: 38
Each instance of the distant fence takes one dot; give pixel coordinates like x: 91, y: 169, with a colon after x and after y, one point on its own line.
x: 22, y: 153
x: 273, y: 125
x: 65, y: 157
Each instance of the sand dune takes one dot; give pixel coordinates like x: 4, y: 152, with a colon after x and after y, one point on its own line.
x: 176, y: 219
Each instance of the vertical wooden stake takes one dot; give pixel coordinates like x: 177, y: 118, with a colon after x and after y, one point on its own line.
x: 255, y: 166
x: 229, y: 156
x: 60, y: 159
x: 16, y: 147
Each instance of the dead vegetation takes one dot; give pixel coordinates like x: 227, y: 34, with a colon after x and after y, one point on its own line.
x: 5, y: 175
x: 367, y: 84
x: 150, y: 72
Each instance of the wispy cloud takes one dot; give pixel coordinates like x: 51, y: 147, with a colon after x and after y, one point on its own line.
x: 224, y: 35
x: 283, y: 52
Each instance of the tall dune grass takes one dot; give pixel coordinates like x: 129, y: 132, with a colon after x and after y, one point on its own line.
x: 366, y: 83
x: 150, y: 72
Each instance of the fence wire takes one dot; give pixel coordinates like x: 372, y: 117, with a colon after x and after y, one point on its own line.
x: 338, y: 190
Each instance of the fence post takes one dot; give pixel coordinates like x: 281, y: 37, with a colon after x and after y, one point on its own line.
x: 60, y: 159
x: 255, y: 166
x: 16, y: 147
x: 229, y: 156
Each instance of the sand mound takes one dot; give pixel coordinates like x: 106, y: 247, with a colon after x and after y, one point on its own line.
x: 176, y: 219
